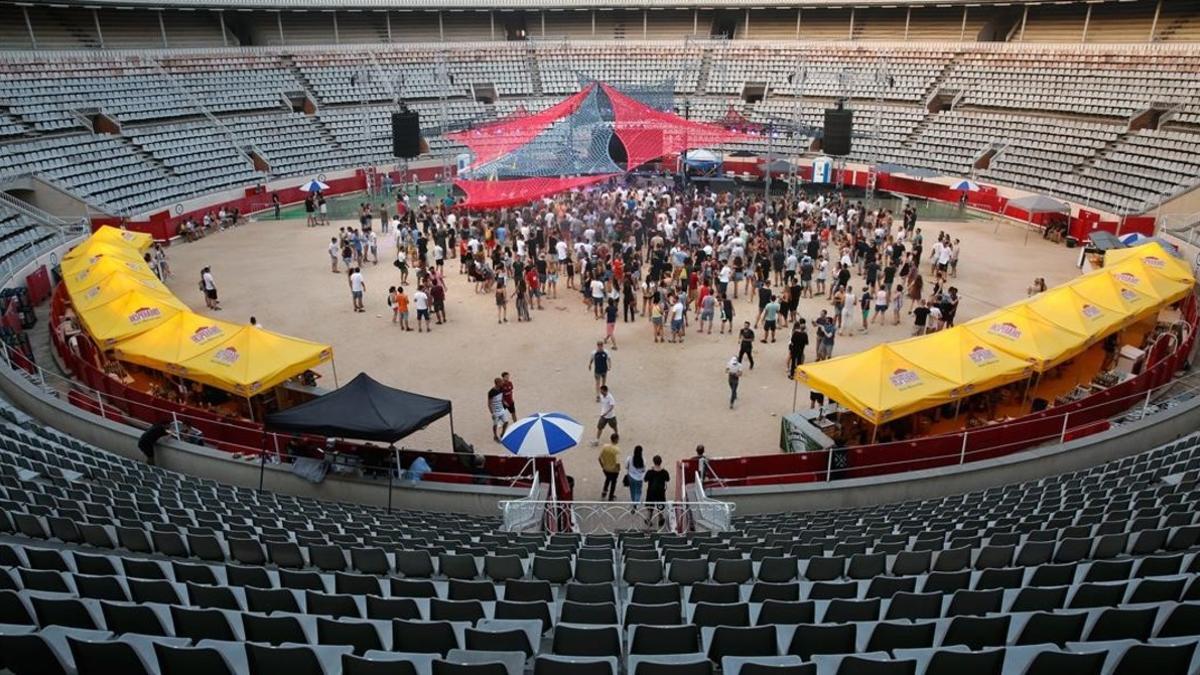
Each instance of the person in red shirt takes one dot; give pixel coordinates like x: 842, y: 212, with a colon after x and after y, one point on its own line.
x: 531, y: 281
x: 506, y: 391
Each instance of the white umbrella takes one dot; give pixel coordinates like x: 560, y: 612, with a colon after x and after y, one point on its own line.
x: 965, y: 184
x: 542, y: 434
x: 314, y: 186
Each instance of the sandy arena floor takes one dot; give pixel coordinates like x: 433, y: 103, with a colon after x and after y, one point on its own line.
x: 669, y: 396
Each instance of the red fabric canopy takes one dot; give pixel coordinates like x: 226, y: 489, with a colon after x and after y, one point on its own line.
x: 649, y: 134
x: 490, y: 141
x: 495, y: 194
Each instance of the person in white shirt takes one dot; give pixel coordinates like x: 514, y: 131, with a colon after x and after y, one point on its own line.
x: 608, y: 413
x: 209, y: 287
x: 420, y: 301
x: 677, y: 321
x: 333, y: 255
x: 597, y: 288
x: 734, y: 370
x: 358, y: 285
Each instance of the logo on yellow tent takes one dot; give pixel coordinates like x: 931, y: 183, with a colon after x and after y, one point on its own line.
x: 227, y: 356
x: 1129, y: 295
x: 1154, y: 261
x: 91, y: 293
x: 1005, y: 330
x: 903, y: 378
x: 144, y: 314
x: 205, y: 333
x: 1128, y: 278
x: 1090, y: 311
x: 982, y: 356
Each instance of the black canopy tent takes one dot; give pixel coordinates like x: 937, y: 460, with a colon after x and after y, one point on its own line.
x: 367, y: 410
x: 363, y: 409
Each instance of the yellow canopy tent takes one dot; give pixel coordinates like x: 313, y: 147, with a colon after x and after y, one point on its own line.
x: 253, y: 360
x: 1022, y: 333
x: 961, y: 357
x: 1135, y: 274
x: 176, y: 340
x: 127, y: 315
x: 1101, y: 288
x: 115, y: 286
x: 139, y: 241
x: 878, y: 384
x: 104, y: 268
x: 90, y: 252
x: 1154, y: 256
x: 1064, y: 307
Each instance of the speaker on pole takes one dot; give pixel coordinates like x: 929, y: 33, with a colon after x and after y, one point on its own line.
x: 406, y: 134
x: 839, y: 129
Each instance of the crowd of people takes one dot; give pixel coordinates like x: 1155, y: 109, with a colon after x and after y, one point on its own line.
x: 681, y: 258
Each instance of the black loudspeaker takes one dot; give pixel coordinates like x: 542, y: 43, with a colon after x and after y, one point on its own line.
x: 406, y: 134
x: 839, y: 128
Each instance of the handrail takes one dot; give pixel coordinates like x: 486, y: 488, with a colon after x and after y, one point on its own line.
x: 603, y: 517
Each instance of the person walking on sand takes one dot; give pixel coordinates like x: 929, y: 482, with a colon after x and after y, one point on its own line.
x: 600, y: 363
x: 495, y: 406
x: 635, y: 470
x: 358, y: 286
x: 610, y: 465
x: 608, y: 414
x: 734, y: 370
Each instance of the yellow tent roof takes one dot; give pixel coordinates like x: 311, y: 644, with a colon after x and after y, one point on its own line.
x: 877, y: 384
x: 1022, y: 333
x: 1135, y: 274
x: 1153, y: 255
x: 1101, y: 288
x: 176, y: 340
x: 961, y: 357
x: 253, y: 360
x: 127, y: 315
x: 104, y: 268
x: 115, y: 286
x: 139, y: 241
x: 90, y: 252
x: 1066, y: 308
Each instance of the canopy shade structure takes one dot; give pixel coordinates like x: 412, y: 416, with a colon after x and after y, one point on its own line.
x: 181, y: 337
x: 1066, y: 308
x: 878, y: 384
x: 495, y: 194
x: 114, y: 287
x: 253, y: 360
x: 1154, y: 256
x: 91, y: 251
x: 104, y: 268
x: 959, y: 356
x: 138, y: 241
x: 649, y: 134
x: 1006, y: 345
x: 1134, y: 274
x: 1032, y: 204
x: 362, y: 409
x: 127, y: 315
x: 1103, y: 289
x: 1023, y: 333
x: 489, y: 141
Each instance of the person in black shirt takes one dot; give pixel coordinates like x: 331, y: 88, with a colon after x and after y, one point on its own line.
x: 746, y: 348
x: 656, y: 489
x: 920, y: 317
x: 796, y: 346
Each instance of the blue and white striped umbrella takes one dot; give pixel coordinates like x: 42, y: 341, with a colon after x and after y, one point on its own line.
x: 964, y: 184
x: 314, y: 186
x: 542, y: 434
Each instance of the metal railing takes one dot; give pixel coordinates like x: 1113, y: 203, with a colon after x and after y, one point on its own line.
x: 526, y: 515
x: 1133, y: 407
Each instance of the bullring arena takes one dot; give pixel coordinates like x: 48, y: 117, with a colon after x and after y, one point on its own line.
x: 970, y: 443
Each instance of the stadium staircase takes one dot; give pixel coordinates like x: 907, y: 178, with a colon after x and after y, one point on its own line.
x: 535, y: 73
x: 705, y: 71
x: 1101, y: 152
